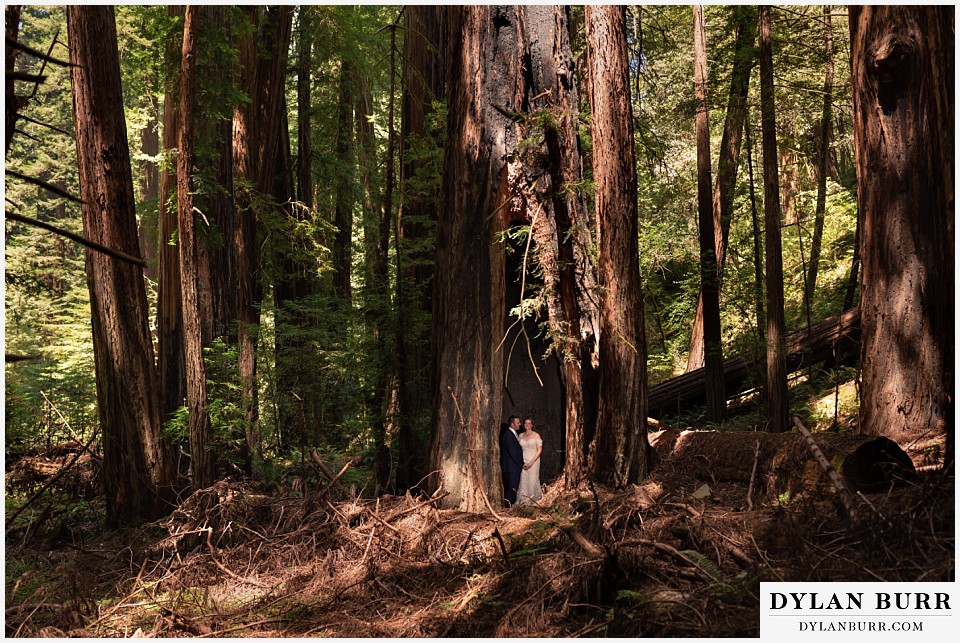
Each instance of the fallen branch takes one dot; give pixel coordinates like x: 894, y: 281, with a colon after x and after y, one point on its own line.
x: 93, y: 245
x: 50, y: 483
x: 334, y: 479
x: 845, y: 496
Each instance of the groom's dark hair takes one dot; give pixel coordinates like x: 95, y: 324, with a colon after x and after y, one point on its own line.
x: 512, y: 418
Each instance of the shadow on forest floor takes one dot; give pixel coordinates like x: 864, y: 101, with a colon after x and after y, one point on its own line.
x: 680, y: 556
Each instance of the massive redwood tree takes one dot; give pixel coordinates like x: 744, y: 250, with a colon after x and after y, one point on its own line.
x: 136, y: 467
x: 903, y: 117
x: 618, y: 455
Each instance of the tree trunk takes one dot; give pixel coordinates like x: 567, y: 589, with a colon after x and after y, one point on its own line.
x: 13, y: 103
x: 468, y: 295
x: 173, y: 379
x: 564, y: 253
x: 244, y: 238
x: 423, y: 83
x: 149, y: 230
x: 344, y: 200
x: 202, y: 460
x: 903, y: 80
x: 777, y: 397
x: 758, y: 297
x: 214, y: 159
x: 136, y: 465
x: 823, y: 159
x: 728, y: 163
x: 376, y: 224
x: 618, y: 455
x: 254, y: 155
x: 709, y: 266
x: 304, y: 109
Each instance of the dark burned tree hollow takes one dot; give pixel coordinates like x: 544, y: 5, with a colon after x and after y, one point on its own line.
x: 618, y: 455
x: 136, y: 468
x: 903, y: 99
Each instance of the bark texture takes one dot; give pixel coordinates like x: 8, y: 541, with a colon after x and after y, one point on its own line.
x: 777, y: 400
x: 709, y: 265
x: 202, y: 461
x: 468, y: 308
x: 618, y: 455
x: 729, y: 161
x: 903, y: 79
x: 137, y: 472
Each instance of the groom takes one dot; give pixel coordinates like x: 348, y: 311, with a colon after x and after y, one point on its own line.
x: 511, y: 459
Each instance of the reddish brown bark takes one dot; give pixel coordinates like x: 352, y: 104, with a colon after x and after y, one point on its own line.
x: 777, y: 397
x: 202, y: 461
x: 709, y: 265
x: 618, y: 455
x: 137, y: 472
x: 903, y: 79
x: 468, y: 308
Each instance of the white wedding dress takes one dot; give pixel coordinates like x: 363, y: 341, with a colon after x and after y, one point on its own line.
x: 529, y: 491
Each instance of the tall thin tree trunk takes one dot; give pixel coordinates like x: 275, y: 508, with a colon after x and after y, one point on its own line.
x: 423, y: 83
x: 137, y: 472
x: 709, y: 266
x: 618, y: 455
x: 173, y: 378
x: 255, y: 149
x: 729, y: 161
x: 304, y: 111
x: 244, y: 239
x: 149, y: 232
x: 903, y: 116
x: 823, y: 159
x: 777, y: 396
x: 757, y: 244
x: 202, y: 460
x: 216, y: 258
x: 344, y: 199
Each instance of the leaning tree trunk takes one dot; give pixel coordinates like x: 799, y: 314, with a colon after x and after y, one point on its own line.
x: 618, y: 455
x: 777, y: 399
x: 468, y: 294
x: 903, y: 80
x: 728, y: 162
x: 136, y: 467
x: 202, y: 461
x: 823, y: 163
x: 709, y: 265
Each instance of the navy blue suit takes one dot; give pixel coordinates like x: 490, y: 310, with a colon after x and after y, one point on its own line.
x: 511, y: 463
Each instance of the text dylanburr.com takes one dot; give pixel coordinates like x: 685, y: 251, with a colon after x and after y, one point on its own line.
x: 920, y: 611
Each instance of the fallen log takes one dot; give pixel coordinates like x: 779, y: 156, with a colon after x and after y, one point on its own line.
x: 834, y: 337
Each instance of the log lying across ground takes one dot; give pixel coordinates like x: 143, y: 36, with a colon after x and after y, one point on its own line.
x: 834, y: 337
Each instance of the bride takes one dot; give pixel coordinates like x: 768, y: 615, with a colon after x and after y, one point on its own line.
x: 529, y: 491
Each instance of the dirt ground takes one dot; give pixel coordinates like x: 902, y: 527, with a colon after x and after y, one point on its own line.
x: 680, y: 556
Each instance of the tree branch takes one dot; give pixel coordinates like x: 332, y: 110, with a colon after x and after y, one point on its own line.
x: 76, y: 237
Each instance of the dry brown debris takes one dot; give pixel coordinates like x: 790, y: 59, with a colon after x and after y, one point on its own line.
x: 681, y: 555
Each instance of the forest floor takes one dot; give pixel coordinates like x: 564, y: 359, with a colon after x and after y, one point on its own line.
x: 680, y: 556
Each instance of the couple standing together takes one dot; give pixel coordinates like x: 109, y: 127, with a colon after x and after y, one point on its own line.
x: 520, y: 462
